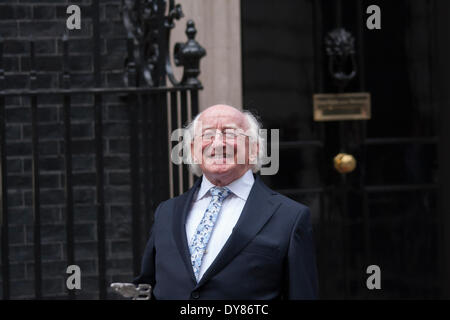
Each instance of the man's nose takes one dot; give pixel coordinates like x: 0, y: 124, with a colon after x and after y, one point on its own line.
x: 218, y: 140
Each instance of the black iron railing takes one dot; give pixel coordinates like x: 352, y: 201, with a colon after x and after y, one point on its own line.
x: 147, y: 98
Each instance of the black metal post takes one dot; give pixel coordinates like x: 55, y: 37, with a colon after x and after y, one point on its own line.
x: 3, y: 186
x: 174, y: 125
x: 36, y: 188
x: 184, y: 120
x: 68, y: 188
x: 133, y: 108
x: 101, y: 250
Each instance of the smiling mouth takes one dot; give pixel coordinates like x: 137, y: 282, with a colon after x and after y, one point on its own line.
x: 220, y: 159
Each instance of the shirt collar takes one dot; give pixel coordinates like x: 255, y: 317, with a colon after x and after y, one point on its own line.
x: 240, y: 187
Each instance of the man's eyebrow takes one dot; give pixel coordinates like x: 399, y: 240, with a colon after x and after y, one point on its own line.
x: 229, y: 126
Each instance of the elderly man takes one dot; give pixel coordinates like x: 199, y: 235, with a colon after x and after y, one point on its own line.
x: 229, y: 236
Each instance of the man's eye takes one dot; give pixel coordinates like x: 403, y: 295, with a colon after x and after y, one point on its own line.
x: 208, y: 135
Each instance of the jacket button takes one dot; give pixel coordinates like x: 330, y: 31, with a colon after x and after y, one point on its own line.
x: 195, y: 295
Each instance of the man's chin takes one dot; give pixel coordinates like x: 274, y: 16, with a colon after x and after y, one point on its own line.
x: 218, y: 166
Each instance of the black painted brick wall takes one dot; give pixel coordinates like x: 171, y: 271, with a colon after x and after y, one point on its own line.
x: 44, y: 21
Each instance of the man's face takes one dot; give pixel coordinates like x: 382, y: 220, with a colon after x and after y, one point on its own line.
x: 221, y: 146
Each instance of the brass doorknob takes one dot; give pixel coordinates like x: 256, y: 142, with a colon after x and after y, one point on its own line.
x: 344, y: 163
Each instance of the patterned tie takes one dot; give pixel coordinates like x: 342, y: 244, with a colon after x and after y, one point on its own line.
x: 204, y: 229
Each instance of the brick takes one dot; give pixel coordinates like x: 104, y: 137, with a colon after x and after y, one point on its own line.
x: 122, y: 213
x: 14, y: 166
x: 12, y: 101
x: 122, y: 278
x: 22, y: 288
x: 89, y: 284
x: 11, y: 64
x: 120, y: 112
x: 13, y: 132
x: 18, y: 115
x: 88, y: 267
x: 42, y: 63
x: 81, y: 63
x: 85, y: 231
x: 53, y: 286
x: 46, y: 164
x: 18, y: 149
x: 16, y: 235
x: 86, y: 250
x: 121, y: 249
x: 83, y: 162
x: 115, y: 79
x: 86, y: 213
x: 51, y: 233
x: 51, y: 251
x: 23, y: 114
x: 44, y: 12
x: 116, y: 130
x: 21, y: 253
x: 113, y: 29
x: 17, y: 271
x: 14, y: 47
x: 117, y: 195
x: 117, y: 45
x: 20, y: 181
x: 51, y: 181
x: 20, y: 216
x: 51, y: 196
x: 119, y: 266
x: 54, y: 29
x: 115, y: 162
x: 48, y: 148
x: 52, y: 131
x: 46, y: 1
x: 45, y: 46
x: 49, y: 99
x: 51, y: 215
x: 119, y: 146
x: 7, y: 12
x: 53, y: 268
x: 84, y: 195
x: 119, y: 229
x: 113, y: 61
x: 119, y: 178
x: 15, y: 199
x: 112, y: 12
x: 82, y: 130
x: 9, y: 29
x: 16, y: 81
x: 82, y: 113
x: 78, y: 45
x: 84, y: 179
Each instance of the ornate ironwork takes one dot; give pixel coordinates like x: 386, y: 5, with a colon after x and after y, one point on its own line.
x: 149, y: 26
x: 340, y: 48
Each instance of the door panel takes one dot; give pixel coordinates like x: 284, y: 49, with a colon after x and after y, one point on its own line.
x: 386, y: 211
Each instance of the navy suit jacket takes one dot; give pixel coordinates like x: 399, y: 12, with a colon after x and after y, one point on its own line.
x: 269, y: 254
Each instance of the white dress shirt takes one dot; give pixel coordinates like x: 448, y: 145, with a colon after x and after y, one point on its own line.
x: 228, y: 216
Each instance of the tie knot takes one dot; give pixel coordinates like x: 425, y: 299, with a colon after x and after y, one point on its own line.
x: 221, y: 192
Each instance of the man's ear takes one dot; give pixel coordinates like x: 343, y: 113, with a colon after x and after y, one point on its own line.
x: 194, y: 159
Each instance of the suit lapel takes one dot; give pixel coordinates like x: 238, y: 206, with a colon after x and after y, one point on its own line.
x: 181, y: 209
x: 257, y: 211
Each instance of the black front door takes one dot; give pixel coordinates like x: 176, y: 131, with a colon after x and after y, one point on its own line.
x: 386, y: 212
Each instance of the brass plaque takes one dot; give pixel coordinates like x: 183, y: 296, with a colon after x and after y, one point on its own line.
x: 341, y: 106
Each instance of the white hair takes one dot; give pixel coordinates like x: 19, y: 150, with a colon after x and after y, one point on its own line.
x: 254, y: 132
